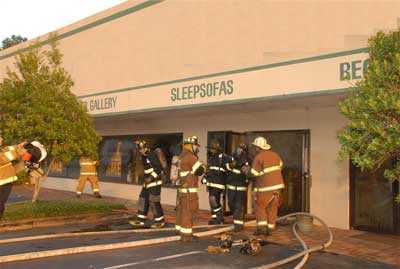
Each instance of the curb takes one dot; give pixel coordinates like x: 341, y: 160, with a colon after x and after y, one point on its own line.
x: 8, y: 226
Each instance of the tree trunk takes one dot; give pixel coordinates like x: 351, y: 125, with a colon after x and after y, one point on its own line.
x: 38, y: 180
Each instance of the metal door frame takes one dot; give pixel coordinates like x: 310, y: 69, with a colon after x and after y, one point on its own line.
x: 306, y: 167
x: 306, y: 164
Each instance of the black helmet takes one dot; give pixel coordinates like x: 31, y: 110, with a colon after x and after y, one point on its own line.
x: 142, y: 144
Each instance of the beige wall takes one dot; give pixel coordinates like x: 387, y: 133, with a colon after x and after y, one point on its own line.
x: 176, y: 39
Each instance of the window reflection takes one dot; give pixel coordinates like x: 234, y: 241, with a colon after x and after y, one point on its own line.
x: 120, y: 162
x: 373, y: 201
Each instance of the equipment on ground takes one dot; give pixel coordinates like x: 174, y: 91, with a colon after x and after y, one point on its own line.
x: 248, y: 246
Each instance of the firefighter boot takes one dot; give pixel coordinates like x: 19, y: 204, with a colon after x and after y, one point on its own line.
x: 238, y: 228
x: 158, y: 225
x: 97, y: 194
x: 218, y: 218
x: 188, y: 238
x: 262, y: 231
x: 137, y: 224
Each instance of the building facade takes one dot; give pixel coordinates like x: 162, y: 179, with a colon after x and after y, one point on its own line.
x: 230, y: 70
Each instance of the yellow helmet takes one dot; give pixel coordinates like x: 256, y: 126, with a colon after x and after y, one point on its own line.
x: 193, y: 140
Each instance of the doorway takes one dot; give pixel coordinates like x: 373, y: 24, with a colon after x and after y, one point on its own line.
x: 294, y: 148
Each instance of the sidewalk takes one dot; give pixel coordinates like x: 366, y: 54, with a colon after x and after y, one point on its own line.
x: 363, y: 245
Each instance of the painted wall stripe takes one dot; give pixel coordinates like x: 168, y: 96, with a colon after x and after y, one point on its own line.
x: 229, y: 102
x: 236, y: 71
x: 88, y: 26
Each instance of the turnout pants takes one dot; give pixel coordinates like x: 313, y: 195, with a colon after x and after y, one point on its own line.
x: 187, y: 206
x: 267, y: 204
x: 94, y: 181
x: 5, y: 191
x: 150, y: 199
x: 236, y: 200
x: 214, y: 197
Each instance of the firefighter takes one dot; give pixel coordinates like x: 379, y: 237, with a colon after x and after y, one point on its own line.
x: 188, y: 200
x: 267, y: 171
x: 215, y: 181
x: 150, y: 196
x: 88, y: 173
x: 237, y: 167
x: 31, y: 154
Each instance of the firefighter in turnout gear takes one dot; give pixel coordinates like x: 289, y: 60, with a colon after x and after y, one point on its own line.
x: 150, y: 196
x: 11, y: 157
x: 236, y: 184
x: 268, y: 183
x: 215, y: 181
x: 88, y: 173
x: 190, y: 168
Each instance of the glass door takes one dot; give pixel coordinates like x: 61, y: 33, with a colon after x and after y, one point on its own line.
x: 294, y: 149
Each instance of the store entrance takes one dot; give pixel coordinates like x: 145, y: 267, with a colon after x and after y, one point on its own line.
x: 293, y: 147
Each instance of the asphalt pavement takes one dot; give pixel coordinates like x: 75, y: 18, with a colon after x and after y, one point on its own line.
x: 168, y: 255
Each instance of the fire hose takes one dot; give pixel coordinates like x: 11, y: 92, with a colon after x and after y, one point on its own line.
x: 306, y: 250
x: 253, y: 246
x: 68, y: 251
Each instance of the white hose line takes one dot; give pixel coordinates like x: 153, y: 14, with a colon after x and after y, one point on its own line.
x: 113, y: 246
x: 66, y: 235
x: 303, y: 244
x: 306, y: 250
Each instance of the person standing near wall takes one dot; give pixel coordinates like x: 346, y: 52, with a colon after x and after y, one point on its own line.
x: 190, y: 168
x: 267, y: 171
x: 88, y: 172
x: 236, y: 184
x: 215, y: 181
x: 150, y: 196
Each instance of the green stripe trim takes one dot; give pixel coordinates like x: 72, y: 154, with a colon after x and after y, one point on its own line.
x: 228, y: 102
x: 236, y: 71
x: 89, y: 26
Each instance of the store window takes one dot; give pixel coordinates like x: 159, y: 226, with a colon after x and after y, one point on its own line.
x: 70, y: 170
x: 372, y: 201
x: 120, y: 162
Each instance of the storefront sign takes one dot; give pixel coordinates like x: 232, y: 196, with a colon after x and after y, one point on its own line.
x: 353, y: 70
x: 97, y: 104
x: 204, y: 90
x: 318, y: 74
